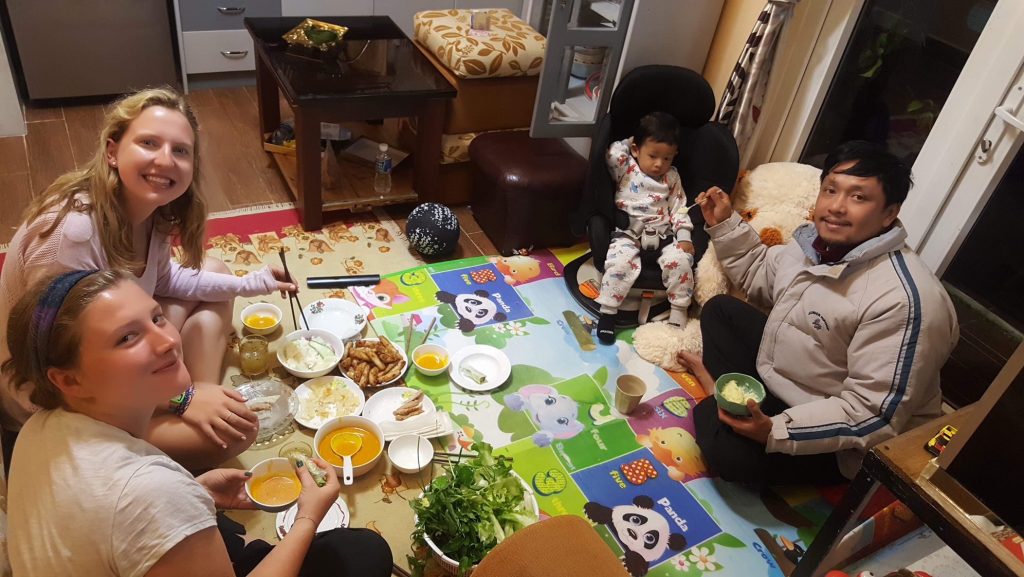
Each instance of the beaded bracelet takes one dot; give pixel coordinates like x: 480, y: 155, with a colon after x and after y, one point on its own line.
x: 180, y: 403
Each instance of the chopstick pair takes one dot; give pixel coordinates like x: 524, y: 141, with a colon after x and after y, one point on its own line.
x: 408, y: 333
x: 293, y: 297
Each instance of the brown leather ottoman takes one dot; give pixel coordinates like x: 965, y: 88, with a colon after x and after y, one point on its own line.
x: 524, y: 189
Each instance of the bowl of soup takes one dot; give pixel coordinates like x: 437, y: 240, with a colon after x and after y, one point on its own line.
x: 430, y: 359
x: 370, y: 449
x: 261, y: 318
x: 274, y: 485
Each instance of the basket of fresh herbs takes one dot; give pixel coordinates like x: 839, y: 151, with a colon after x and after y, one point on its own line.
x: 464, y: 514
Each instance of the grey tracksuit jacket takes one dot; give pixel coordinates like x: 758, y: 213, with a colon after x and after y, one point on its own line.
x: 854, y: 347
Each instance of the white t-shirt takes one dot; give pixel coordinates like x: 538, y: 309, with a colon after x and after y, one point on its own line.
x: 87, y: 498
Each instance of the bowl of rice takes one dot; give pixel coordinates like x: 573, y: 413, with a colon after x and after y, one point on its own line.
x: 732, y: 390
x: 310, y: 353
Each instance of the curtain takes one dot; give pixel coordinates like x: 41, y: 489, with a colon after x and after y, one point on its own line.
x: 744, y: 94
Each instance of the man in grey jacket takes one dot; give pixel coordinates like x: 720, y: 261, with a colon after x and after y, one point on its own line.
x: 851, y: 348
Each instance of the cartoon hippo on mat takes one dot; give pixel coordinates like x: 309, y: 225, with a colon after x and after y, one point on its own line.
x: 554, y: 413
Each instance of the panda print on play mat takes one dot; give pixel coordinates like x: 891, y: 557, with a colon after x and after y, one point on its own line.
x: 479, y: 296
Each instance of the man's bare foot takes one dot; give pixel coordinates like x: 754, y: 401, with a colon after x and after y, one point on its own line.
x: 694, y: 364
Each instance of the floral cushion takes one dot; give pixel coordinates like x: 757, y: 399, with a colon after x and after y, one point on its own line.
x: 455, y: 147
x: 510, y: 48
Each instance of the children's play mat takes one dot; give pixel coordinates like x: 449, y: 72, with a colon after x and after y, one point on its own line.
x: 640, y: 479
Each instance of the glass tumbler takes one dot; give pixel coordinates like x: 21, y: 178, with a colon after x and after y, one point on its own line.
x: 254, y: 352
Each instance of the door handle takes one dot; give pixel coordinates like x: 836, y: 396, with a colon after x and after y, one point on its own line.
x: 993, y: 133
x: 231, y: 10
x: 234, y: 53
x: 1007, y: 116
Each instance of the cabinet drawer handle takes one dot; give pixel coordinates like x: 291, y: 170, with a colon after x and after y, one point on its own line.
x: 236, y: 54
x: 231, y: 9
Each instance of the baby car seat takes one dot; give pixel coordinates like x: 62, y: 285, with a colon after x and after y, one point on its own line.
x: 707, y: 157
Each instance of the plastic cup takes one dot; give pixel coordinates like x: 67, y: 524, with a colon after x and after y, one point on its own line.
x: 629, y: 390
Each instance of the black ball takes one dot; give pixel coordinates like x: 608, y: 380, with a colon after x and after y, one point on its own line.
x: 433, y: 229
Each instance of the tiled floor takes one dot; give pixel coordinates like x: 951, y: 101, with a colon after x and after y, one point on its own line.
x: 236, y: 172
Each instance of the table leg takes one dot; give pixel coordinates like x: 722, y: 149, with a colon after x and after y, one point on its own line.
x: 267, y: 97
x: 427, y: 156
x: 844, y: 517
x: 307, y: 169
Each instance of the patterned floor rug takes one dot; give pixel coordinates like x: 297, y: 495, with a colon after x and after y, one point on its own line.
x: 580, y: 454
x: 584, y: 452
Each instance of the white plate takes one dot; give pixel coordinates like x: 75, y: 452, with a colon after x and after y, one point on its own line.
x: 401, y: 352
x: 484, y: 358
x: 336, y: 518
x: 380, y: 408
x: 277, y: 420
x: 305, y: 393
x: 344, y: 318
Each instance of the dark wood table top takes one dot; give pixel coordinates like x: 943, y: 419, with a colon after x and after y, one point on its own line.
x: 898, y: 464
x: 305, y: 79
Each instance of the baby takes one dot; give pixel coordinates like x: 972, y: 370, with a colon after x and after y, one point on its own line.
x: 650, y: 193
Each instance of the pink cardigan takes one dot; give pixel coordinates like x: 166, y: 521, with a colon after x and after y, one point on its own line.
x: 75, y: 245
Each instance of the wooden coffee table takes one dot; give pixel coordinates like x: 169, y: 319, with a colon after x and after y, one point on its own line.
x: 372, y: 86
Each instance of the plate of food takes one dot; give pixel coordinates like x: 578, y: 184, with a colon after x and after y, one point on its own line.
x: 337, y: 517
x: 344, y: 318
x: 275, y: 406
x: 397, y: 405
x: 325, y: 398
x: 374, y: 362
x: 479, y: 368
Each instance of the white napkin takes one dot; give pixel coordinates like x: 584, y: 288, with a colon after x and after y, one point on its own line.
x: 430, y: 425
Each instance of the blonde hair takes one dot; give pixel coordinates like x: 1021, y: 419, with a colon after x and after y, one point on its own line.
x: 65, y: 336
x: 184, y: 217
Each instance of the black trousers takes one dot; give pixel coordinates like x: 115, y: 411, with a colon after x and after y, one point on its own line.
x: 335, y: 553
x: 732, y: 331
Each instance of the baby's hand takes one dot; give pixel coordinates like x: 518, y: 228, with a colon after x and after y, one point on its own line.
x: 686, y: 246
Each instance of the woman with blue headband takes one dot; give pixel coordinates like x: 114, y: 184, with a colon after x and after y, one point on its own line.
x: 90, y: 496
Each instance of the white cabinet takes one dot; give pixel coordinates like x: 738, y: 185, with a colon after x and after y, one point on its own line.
x: 326, y: 7
x: 218, y: 51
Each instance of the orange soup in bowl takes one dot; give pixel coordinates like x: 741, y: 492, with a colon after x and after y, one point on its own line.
x: 369, y: 449
x: 276, y: 488
x: 432, y: 361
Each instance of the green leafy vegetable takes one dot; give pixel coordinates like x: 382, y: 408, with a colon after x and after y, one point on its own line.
x: 473, y: 508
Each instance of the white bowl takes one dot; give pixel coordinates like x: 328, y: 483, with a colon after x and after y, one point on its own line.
x: 327, y: 337
x: 349, y: 421
x: 401, y: 353
x: 263, y: 308
x: 427, y: 349
x: 410, y: 453
x: 268, y: 466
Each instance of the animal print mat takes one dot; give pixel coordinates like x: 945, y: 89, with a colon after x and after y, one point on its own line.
x: 554, y: 415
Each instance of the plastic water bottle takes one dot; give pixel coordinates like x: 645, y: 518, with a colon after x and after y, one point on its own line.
x: 382, y: 172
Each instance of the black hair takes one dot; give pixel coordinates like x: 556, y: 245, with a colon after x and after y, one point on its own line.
x: 872, y: 160
x: 659, y: 127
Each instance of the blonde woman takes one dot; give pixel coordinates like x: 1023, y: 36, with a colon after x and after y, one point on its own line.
x: 88, y: 494
x: 121, y: 211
